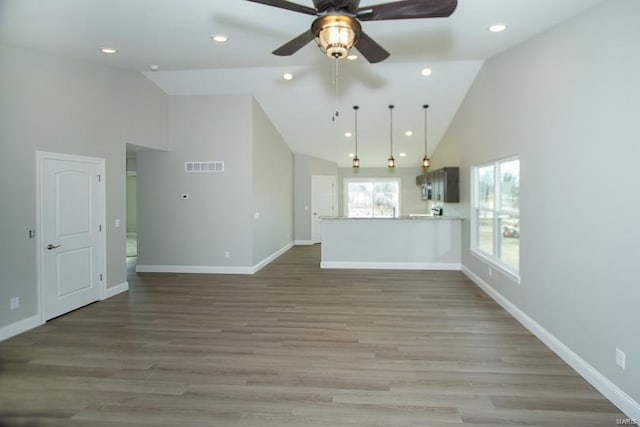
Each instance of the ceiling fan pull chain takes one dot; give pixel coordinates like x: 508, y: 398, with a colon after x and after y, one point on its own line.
x: 335, y: 89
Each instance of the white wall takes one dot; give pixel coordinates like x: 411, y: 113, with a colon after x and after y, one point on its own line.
x: 132, y: 211
x: 55, y: 104
x: 567, y: 102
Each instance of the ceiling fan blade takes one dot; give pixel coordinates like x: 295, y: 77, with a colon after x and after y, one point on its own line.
x: 370, y: 49
x: 408, y: 9
x: 294, y: 45
x: 284, y: 4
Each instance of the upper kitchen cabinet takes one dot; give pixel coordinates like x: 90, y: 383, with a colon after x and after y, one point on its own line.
x: 442, y: 185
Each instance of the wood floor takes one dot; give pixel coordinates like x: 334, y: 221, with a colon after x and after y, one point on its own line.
x: 292, y: 346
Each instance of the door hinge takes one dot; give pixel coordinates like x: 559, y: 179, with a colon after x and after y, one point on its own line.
x: 99, y: 178
x: 101, y: 277
x: 99, y: 227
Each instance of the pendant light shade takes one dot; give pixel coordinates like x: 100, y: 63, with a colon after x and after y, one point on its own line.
x: 356, y: 161
x: 425, y: 159
x: 391, y: 162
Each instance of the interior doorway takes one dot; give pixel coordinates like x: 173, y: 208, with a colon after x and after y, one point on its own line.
x: 323, y: 203
x: 72, y: 248
x: 132, y: 207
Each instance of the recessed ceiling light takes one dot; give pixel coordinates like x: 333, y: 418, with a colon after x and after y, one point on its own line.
x: 403, y: 154
x: 352, y: 57
x: 220, y: 38
x: 426, y: 72
x: 347, y: 134
x: 108, y: 50
x: 352, y: 155
x: 497, y: 28
x: 409, y: 133
x: 287, y: 76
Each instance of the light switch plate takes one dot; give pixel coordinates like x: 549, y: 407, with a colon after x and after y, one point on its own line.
x: 621, y: 358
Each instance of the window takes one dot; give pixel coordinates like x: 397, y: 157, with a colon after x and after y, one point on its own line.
x: 372, y: 197
x: 496, y: 213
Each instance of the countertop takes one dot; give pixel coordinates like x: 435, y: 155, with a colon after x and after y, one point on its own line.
x: 410, y: 217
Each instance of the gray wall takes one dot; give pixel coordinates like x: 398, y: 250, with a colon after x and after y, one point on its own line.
x: 217, y: 216
x: 55, y: 104
x: 304, y: 168
x: 410, y: 198
x: 272, y: 188
x: 132, y: 222
x: 566, y: 102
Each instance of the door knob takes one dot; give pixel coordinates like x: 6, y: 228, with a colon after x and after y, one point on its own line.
x: 50, y: 246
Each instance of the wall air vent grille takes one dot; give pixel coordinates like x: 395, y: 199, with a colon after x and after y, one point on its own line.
x: 204, y: 166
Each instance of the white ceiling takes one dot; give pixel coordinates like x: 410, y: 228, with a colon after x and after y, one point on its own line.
x: 174, y: 35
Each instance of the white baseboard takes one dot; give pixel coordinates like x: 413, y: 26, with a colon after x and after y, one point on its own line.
x: 193, y: 269
x: 611, y: 391
x: 206, y: 269
x: 391, y: 265
x: 20, y: 326
x: 271, y: 257
x: 303, y: 243
x: 115, y: 290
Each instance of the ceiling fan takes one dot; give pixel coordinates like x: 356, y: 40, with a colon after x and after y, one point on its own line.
x: 337, y: 28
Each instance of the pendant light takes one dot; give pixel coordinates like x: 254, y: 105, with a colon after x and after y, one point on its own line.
x: 391, y: 162
x: 425, y: 160
x: 356, y: 161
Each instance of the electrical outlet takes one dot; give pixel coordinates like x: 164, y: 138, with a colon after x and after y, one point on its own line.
x: 14, y: 303
x: 621, y: 358
x: 227, y: 254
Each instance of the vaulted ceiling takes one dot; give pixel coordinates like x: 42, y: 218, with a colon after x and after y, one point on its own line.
x: 175, y: 37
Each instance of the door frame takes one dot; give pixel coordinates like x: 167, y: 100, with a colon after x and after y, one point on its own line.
x: 41, y: 156
x: 334, y: 201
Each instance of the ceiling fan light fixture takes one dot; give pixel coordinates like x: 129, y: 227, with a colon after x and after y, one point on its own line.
x: 336, y: 34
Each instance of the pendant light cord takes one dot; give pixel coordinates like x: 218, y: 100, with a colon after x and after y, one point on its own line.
x: 355, y: 107
x: 426, y: 151
x: 391, y: 127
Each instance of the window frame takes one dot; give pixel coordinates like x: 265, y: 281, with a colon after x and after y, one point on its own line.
x: 374, y: 181
x: 498, y: 213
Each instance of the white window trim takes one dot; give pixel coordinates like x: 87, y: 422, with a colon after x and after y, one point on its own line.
x: 345, y: 192
x: 495, y: 262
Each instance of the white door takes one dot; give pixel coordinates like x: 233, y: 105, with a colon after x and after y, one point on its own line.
x: 323, y: 203
x: 71, y: 243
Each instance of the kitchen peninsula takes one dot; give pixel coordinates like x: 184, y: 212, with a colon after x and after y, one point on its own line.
x: 405, y: 243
